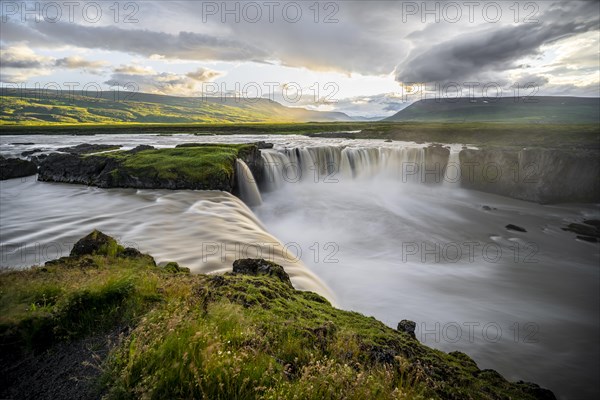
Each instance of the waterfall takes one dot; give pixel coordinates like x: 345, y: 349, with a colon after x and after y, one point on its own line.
x: 452, y: 172
x: 246, y: 184
x: 334, y: 163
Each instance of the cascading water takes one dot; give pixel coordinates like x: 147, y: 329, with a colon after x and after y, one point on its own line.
x: 368, y: 236
x: 247, y: 184
x: 453, y: 172
x: 334, y: 163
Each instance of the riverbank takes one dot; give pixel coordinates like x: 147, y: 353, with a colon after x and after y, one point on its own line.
x: 480, y: 134
x: 243, y: 334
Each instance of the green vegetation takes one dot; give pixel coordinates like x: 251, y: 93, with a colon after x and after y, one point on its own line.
x: 476, y: 133
x: 194, y: 165
x: 231, y: 336
x: 539, y: 109
x: 31, y: 107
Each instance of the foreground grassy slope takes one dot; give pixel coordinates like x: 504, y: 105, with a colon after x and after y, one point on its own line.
x: 28, y: 107
x: 539, y: 109
x: 232, y: 336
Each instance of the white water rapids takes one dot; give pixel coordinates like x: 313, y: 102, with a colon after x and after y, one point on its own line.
x: 363, y: 225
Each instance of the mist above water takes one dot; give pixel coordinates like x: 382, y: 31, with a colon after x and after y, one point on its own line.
x: 526, y: 304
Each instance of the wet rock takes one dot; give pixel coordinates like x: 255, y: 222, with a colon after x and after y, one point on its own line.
x: 388, y: 140
x: 407, y: 326
x: 592, y: 222
x: 11, y: 168
x: 22, y: 143
x: 258, y: 266
x: 588, y: 239
x: 587, y: 229
x: 86, y: 148
x: 33, y: 151
x: 141, y: 147
x: 107, y: 171
x: 515, y: 228
x: 264, y: 145
x: 72, y: 168
x: 486, y: 208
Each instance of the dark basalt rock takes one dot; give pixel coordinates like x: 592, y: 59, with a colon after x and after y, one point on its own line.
x: 33, y: 151
x: 407, y: 326
x: 86, y: 148
x: 589, y: 230
x: 22, y: 143
x: 592, y: 222
x: 536, y: 174
x: 99, y: 244
x: 11, y: 168
x: 536, y: 391
x: 72, y: 168
x: 515, y: 228
x: 96, y: 243
x: 141, y: 147
x: 258, y: 266
x: 264, y: 145
x: 108, y: 171
x: 588, y: 239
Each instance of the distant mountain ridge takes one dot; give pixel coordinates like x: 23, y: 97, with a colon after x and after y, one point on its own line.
x: 50, y: 107
x: 542, y: 109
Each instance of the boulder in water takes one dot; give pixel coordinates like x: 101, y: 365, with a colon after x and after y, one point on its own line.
x: 516, y: 228
x: 11, y: 168
x: 589, y: 231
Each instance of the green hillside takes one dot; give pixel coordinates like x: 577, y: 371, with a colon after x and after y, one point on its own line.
x: 543, y: 110
x: 29, y: 107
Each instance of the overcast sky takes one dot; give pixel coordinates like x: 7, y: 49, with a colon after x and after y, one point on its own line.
x: 362, y: 58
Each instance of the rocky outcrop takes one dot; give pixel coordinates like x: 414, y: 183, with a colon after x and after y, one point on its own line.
x: 589, y: 231
x: 516, y: 228
x: 86, y: 148
x: 110, y: 170
x: 539, y: 175
x: 408, y: 327
x: 11, y: 168
x: 71, y: 168
x: 258, y: 266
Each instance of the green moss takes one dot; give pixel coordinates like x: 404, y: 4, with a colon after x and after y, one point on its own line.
x: 174, y: 268
x: 231, y: 336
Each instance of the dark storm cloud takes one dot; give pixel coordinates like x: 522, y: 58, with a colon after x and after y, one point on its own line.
x: 369, y: 38
x: 185, y: 45
x: 498, y: 49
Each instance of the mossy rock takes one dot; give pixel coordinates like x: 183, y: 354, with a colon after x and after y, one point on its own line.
x: 96, y: 243
x: 258, y: 266
x: 174, y: 268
